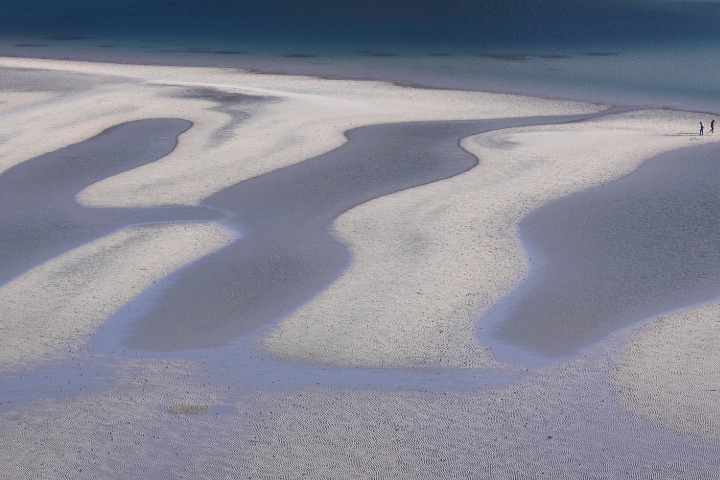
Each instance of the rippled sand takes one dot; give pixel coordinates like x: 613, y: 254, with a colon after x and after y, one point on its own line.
x: 426, y: 263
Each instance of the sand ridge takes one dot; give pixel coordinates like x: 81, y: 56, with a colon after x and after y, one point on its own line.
x: 285, y: 120
x: 307, y: 118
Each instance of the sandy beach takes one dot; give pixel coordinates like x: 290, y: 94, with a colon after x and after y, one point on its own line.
x: 425, y: 264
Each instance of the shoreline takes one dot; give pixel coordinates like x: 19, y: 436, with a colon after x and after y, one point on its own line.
x: 266, y: 64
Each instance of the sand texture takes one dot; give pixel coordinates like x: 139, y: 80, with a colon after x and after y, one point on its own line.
x: 244, y: 124
x: 303, y: 118
x: 562, y: 422
x: 55, y: 306
x: 381, y: 374
x: 670, y: 371
x: 428, y: 262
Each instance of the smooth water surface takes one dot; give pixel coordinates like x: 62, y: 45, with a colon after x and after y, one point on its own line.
x: 610, y: 256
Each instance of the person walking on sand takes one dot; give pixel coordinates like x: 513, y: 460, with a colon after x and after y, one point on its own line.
x: 702, y: 128
x: 712, y: 126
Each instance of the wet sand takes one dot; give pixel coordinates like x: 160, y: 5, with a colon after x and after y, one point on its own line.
x: 244, y: 125
x: 404, y: 284
x: 286, y: 255
x: 38, y: 211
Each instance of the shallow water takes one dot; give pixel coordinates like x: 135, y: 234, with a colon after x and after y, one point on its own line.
x: 38, y: 213
x: 286, y: 254
x: 610, y: 256
x: 633, y: 52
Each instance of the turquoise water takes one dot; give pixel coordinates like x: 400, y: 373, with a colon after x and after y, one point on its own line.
x: 639, y: 52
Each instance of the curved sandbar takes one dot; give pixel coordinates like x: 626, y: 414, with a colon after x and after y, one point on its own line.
x: 306, y: 118
x: 287, y: 255
x: 54, y: 308
x: 66, y: 267
x: 459, y: 237
x: 670, y: 371
x: 38, y: 211
x: 429, y: 261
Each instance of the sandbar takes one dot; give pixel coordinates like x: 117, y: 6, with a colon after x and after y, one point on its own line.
x: 286, y: 254
x: 425, y: 264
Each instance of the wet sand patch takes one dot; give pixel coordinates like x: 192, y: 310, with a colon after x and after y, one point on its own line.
x: 406, y: 300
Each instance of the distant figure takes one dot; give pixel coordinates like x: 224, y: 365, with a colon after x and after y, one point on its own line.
x: 712, y: 126
x: 702, y: 128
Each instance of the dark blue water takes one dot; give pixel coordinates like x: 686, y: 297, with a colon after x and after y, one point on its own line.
x: 632, y: 51
x: 472, y: 24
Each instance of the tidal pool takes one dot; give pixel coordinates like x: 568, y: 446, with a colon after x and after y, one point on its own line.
x: 605, y: 258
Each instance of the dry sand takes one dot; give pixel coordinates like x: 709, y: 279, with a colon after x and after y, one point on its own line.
x: 306, y: 117
x: 426, y: 263
x: 14, y: 100
x: 670, y: 371
x: 560, y: 422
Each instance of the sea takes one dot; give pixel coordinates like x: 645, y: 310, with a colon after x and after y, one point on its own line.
x: 636, y: 52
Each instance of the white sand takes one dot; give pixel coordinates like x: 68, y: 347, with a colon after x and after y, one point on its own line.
x: 58, y: 304
x: 302, y: 117
x: 307, y: 117
x: 14, y: 100
x: 428, y: 261
x: 670, y: 371
x: 125, y: 431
